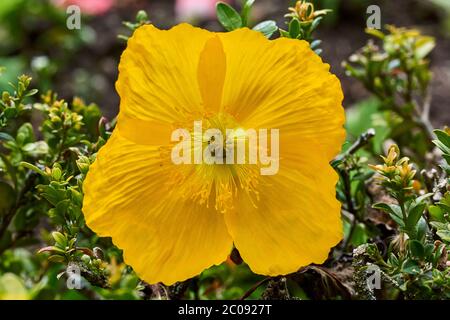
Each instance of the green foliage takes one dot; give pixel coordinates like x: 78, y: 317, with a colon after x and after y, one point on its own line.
x: 231, y: 19
x: 398, y: 75
x: 41, y: 180
x: 228, y: 17
x: 140, y: 20
x: 303, y: 20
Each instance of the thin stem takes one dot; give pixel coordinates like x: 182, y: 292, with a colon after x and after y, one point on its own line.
x: 253, y: 288
x: 362, y: 141
x: 402, y: 208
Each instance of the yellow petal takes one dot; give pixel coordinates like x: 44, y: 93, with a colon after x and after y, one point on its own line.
x: 295, y: 222
x: 282, y: 84
x: 158, y: 81
x: 211, y: 74
x: 131, y: 196
x: 145, y: 132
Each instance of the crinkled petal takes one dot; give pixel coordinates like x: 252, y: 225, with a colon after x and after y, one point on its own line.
x: 158, y: 82
x: 131, y: 196
x: 282, y: 84
x: 295, y: 221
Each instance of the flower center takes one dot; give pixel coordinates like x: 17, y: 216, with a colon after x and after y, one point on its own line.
x: 209, y: 183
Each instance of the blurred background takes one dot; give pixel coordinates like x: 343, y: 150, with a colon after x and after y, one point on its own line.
x: 34, y: 39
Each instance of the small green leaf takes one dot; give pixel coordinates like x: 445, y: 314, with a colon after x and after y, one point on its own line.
x: 35, y: 149
x: 410, y: 267
x: 424, y: 46
x: 315, y: 23
x: 415, y: 213
x: 32, y: 92
x: 267, y: 28
x: 56, y: 258
x: 228, y: 17
x: 443, y: 137
x: 442, y: 147
x: 318, y: 51
x: 61, y: 240
x: 58, y: 250
x: 284, y: 33
x: 294, y: 28
x: 33, y: 168
x: 428, y: 250
x: 444, y: 234
x: 421, y: 228
x: 436, y: 213
x: 315, y: 44
x: 6, y: 137
x: 376, y: 33
x: 393, y: 210
x: 417, y: 249
x: 246, y: 10
x: 10, y: 112
x: 423, y: 197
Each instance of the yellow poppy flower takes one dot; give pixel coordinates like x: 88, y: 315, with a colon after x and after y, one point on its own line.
x: 173, y: 221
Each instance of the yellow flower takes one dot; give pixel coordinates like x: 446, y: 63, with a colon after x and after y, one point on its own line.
x: 392, y: 156
x: 304, y: 11
x: 173, y: 221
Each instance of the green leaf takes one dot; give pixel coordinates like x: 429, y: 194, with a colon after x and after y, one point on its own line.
x: 36, y: 149
x: 284, y: 33
x: 424, y: 46
x: 423, y: 197
x: 246, y: 10
x: 360, y: 235
x: 315, y: 23
x: 267, y: 28
x: 32, y: 92
x: 6, y: 137
x: 10, y: 112
x: 58, y: 250
x: 436, y: 213
x: 376, y: 33
x: 444, y: 234
x: 415, y: 213
x: 56, y: 258
x: 439, y: 225
x: 410, y: 267
x: 442, y: 147
x: 417, y: 249
x: 33, y: 168
x: 315, y: 44
x: 393, y: 210
x: 428, y: 250
x: 294, y: 28
x: 25, y: 134
x: 421, y: 229
x: 443, y: 137
x: 228, y: 17
x: 61, y: 240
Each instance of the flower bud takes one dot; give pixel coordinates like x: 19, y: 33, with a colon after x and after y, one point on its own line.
x: 141, y: 16
x: 86, y: 259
